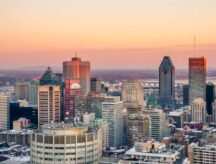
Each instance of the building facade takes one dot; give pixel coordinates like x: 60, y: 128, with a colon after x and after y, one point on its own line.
x: 21, y: 91
x: 210, y: 96
x: 138, y: 127
x: 167, y: 83
x: 159, y: 124
x: 71, y: 91
x: 4, y: 112
x: 198, y: 110
x: 197, y: 78
x: 64, y: 144
x: 78, y: 70
x: 112, y: 112
x: 48, y: 104
x: 132, y: 92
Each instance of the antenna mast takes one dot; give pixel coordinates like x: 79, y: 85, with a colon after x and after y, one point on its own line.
x: 194, y: 45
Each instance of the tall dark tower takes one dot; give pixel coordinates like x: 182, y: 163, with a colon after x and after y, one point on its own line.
x: 167, y: 83
x: 210, y: 95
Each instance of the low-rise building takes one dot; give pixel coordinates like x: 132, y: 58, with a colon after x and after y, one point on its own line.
x: 147, y: 150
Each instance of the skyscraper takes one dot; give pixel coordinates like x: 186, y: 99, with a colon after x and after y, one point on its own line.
x: 167, y: 83
x: 112, y: 109
x: 4, y: 112
x: 21, y: 91
x: 210, y: 96
x: 132, y: 92
x: 49, y: 78
x: 158, y: 124
x: 197, y: 78
x: 34, y: 92
x: 95, y: 85
x: 78, y: 70
x: 185, y: 95
x: 48, y: 104
x: 71, y: 91
x: 198, y: 110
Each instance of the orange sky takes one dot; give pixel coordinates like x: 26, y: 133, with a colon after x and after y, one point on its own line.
x: 108, y: 33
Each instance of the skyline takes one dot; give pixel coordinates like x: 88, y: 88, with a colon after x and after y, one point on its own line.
x: 46, y: 33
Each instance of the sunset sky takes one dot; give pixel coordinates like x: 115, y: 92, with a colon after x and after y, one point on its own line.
x: 112, y: 34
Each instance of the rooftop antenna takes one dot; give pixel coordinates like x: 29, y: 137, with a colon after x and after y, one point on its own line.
x: 194, y: 45
x: 76, y: 54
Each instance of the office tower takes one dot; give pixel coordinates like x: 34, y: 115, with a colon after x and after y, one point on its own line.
x: 34, y: 92
x: 21, y: 91
x: 71, y: 92
x: 197, y: 78
x: 80, y: 107
x: 198, y: 110
x: 214, y: 111
x: 210, y: 96
x: 4, y: 112
x: 132, y: 92
x: 49, y: 78
x: 65, y: 143
x: 112, y: 112
x: 48, y: 104
x: 138, y: 127
x: 158, y: 124
x: 167, y: 83
x: 95, y: 85
x: 94, y: 103
x: 78, y: 70
x: 185, y: 95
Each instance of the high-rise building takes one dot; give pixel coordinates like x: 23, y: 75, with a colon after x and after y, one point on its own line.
x: 112, y: 109
x: 4, y: 112
x: 138, y: 127
x: 72, y: 90
x: 103, y: 130
x: 132, y: 92
x: 79, y: 71
x: 198, y: 110
x: 158, y: 124
x: 65, y: 143
x: 185, y: 95
x: 48, y: 104
x: 34, y: 92
x: 197, y: 78
x: 94, y: 103
x: 210, y: 96
x: 167, y: 83
x: 214, y: 111
x: 21, y: 91
x: 49, y: 78
x: 95, y: 85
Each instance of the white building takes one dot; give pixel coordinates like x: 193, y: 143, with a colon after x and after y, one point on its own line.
x: 112, y: 112
x: 198, y: 110
x: 48, y: 104
x: 159, y: 125
x: 4, y: 112
x: 65, y: 144
x: 148, y: 151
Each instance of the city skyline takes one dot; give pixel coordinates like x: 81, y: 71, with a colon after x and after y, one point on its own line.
x: 108, y: 33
